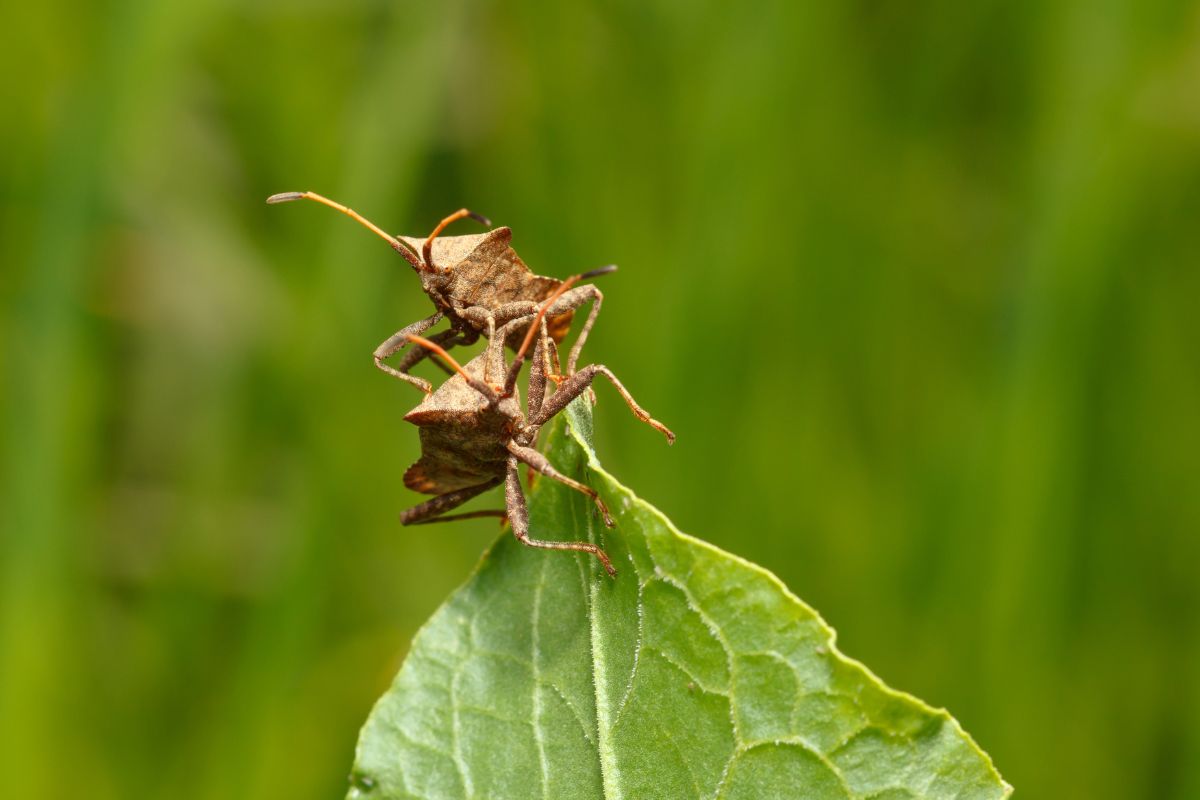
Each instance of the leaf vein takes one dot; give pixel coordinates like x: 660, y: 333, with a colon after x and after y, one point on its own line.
x: 690, y: 675
x: 717, y: 634
x: 637, y: 649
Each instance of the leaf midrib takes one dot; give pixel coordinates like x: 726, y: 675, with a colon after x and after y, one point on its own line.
x: 536, y: 671
x: 610, y: 777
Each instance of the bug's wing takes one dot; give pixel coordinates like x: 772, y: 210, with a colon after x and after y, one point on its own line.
x: 458, y: 452
x: 493, y: 274
x: 432, y: 475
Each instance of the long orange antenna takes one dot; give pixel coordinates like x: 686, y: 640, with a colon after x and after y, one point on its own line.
x: 397, y: 245
x: 476, y: 384
x: 427, y: 249
x: 437, y: 349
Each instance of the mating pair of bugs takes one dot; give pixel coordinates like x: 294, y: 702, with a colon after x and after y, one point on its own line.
x: 474, y: 434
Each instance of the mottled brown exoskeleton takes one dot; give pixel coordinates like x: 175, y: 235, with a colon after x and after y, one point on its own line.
x: 474, y: 436
x: 477, y: 282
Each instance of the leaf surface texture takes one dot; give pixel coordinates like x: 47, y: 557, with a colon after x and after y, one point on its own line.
x: 693, y: 674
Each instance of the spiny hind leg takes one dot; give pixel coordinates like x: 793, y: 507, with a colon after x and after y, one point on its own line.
x: 437, y: 506
x: 578, y: 383
x: 542, y: 464
x: 518, y: 515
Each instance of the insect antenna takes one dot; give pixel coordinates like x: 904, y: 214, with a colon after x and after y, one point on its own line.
x: 397, y: 245
x: 510, y: 380
x: 427, y: 249
x: 437, y: 350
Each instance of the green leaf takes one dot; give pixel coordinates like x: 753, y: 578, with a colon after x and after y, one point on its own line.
x: 692, y: 674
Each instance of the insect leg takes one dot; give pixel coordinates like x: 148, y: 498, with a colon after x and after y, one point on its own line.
x: 575, y: 385
x: 514, y: 369
x: 399, y: 339
x: 482, y: 317
x: 550, y: 362
x: 537, y: 378
x: 488, y: 512
x: 542, y: 464
x: 518, y: 515
x: 516, y: 309
x: 584, y: 293
x: 435, y: 507
x: 490, y: 324
x: 568, y: 301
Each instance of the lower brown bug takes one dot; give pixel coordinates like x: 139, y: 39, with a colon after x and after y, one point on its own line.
x: 474, y: 436
x: 477, y: 282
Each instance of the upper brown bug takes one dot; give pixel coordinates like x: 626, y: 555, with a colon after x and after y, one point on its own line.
x: 474, y: 435
x: 478, y: 282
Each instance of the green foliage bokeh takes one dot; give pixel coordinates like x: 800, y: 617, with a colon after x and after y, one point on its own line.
x: 916, y: 285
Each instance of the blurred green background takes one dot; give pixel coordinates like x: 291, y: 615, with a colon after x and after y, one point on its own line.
x: 916, y: 285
